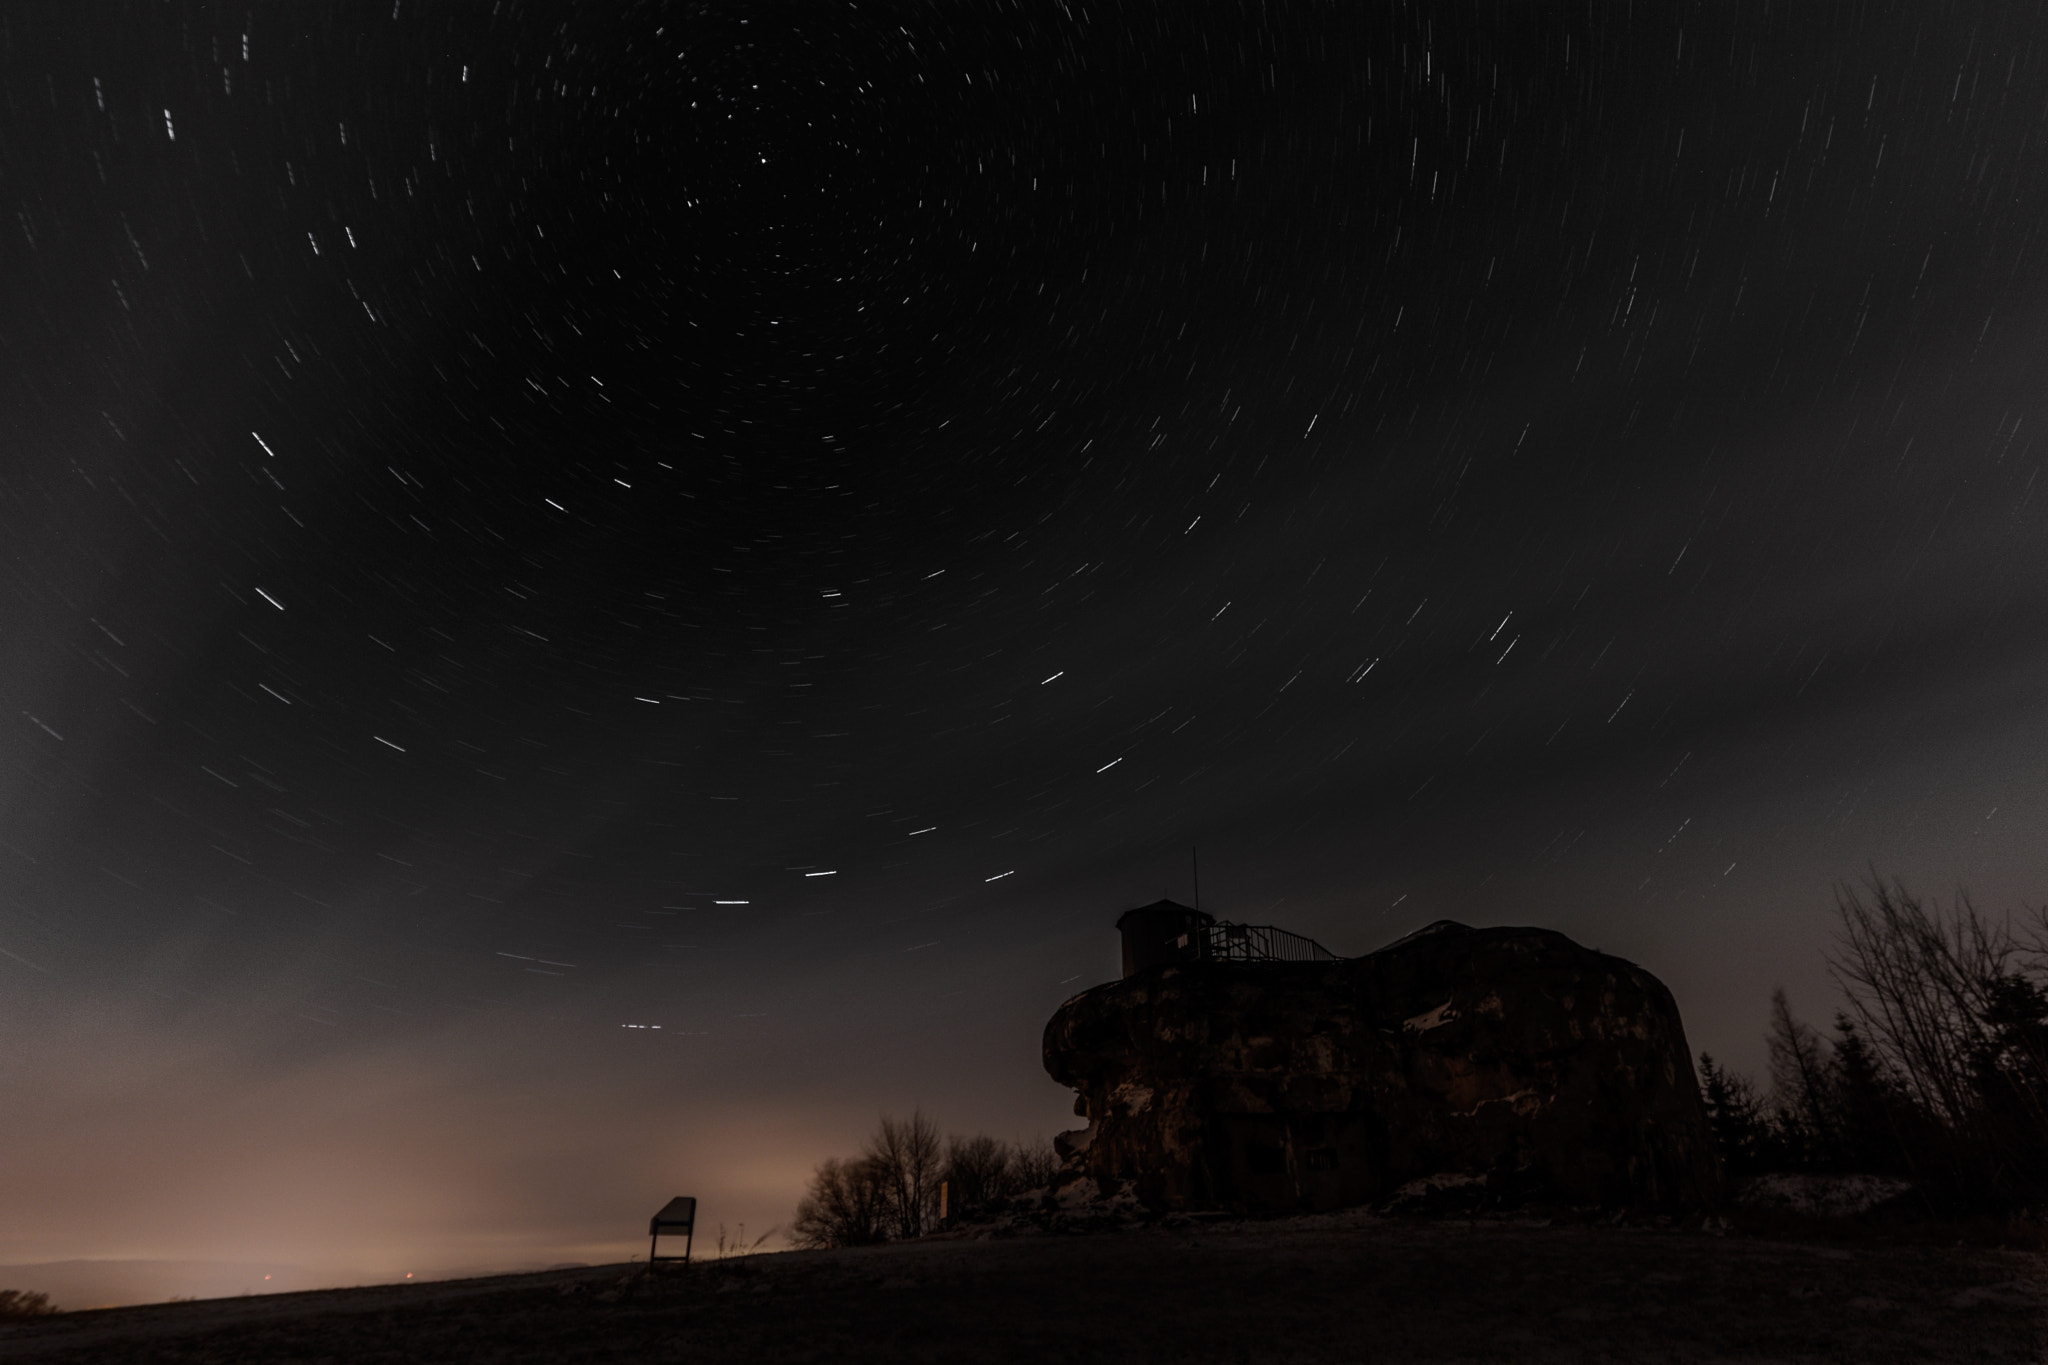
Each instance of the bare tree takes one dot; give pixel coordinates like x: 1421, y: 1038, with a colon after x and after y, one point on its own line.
x: 1801, y: 1076
x: 845, y: 1205
x: 1912, y: 978
x: 1953, y: 1005
x: 907, y: 1157
x: 977, y: 1171
x: 1033, y: 1164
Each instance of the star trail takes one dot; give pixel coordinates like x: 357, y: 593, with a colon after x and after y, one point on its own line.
x: 592, y: 595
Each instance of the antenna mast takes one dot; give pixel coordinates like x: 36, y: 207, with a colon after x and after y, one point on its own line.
x: 1195, y: 858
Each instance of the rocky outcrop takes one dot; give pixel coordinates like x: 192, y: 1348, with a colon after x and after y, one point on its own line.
x: 1510, y: 1061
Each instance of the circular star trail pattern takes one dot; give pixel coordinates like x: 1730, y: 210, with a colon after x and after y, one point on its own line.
x: 615, y: 562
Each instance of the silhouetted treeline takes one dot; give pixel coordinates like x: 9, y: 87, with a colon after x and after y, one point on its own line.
x: 891, y: 1190
x: 1936, y: 1070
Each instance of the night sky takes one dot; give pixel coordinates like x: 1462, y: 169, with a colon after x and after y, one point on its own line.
x: 525, y: 523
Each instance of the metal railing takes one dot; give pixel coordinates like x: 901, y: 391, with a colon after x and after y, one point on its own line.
x: 1261, y: 943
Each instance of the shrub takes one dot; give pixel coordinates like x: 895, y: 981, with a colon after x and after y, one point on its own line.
x: 905, y: 1154
x: 23, y: 1303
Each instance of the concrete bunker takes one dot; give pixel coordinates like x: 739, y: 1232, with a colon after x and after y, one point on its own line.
x: 1230, y: 1068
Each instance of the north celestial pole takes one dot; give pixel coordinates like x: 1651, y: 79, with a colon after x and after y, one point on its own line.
x: 591, y: 596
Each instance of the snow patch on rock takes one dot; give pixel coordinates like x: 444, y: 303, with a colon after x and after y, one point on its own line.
x: 1423, y: 1023
x: 1437, y: 1191
x: 1525, y: 1101
x: 1077, y: 1194
x: 1132, y: 1097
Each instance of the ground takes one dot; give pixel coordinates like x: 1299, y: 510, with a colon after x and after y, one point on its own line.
x: 1347, y: 1288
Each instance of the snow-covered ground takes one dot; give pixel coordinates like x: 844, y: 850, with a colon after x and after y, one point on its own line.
x: 1822, y: 1196
x: 1341, y: 1287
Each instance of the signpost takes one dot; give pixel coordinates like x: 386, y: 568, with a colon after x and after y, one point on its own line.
x: 678, y: 1217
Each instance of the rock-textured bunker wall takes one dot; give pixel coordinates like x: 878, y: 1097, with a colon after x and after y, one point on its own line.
x: 1513, y: 1055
